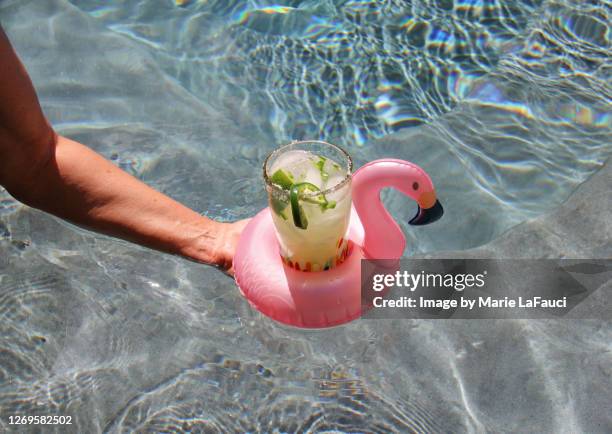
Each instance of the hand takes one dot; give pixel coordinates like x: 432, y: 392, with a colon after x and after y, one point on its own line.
x: 230, y: 233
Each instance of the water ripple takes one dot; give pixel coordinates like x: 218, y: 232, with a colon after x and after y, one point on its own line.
x: 227, y: 395
x: 356, y: 70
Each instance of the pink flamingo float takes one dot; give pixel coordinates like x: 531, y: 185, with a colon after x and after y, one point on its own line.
x: 332, y: 297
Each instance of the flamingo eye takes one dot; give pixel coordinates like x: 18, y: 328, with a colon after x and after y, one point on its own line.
x: 415, y: 186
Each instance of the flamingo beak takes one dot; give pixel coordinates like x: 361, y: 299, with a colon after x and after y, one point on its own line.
x: 425, y: 216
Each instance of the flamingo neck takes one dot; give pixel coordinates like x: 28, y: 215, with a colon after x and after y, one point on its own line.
x: 383, y: 237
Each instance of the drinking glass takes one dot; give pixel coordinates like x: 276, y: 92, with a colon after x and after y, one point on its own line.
x: 309, y: 194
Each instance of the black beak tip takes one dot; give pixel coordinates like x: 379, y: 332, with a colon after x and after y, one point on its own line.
x: 428, y: 215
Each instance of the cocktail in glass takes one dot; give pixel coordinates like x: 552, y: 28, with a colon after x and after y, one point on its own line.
x: 309, y: 193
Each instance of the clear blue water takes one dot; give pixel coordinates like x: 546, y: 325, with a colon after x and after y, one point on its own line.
x: 505, y: 103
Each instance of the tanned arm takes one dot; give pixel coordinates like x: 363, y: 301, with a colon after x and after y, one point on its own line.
x: 65, y: 178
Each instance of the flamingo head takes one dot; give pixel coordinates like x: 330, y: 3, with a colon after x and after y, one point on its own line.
x: 430, y: 209
x: 425, y: 216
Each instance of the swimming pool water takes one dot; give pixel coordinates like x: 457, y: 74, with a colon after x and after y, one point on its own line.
x: 504, y: 103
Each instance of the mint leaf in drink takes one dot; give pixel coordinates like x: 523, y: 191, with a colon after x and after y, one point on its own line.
x: 328, y: 205
x: 320, y: 165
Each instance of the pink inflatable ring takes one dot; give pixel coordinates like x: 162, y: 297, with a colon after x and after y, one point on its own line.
x: 332, y: 297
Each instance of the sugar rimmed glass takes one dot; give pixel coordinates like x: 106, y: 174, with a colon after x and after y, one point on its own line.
x: 309, y: 193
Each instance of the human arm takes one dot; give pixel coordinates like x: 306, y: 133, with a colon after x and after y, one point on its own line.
x: 65, y: 178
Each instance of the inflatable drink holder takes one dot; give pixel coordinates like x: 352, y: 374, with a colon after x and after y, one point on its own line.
x: 318, y: 299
